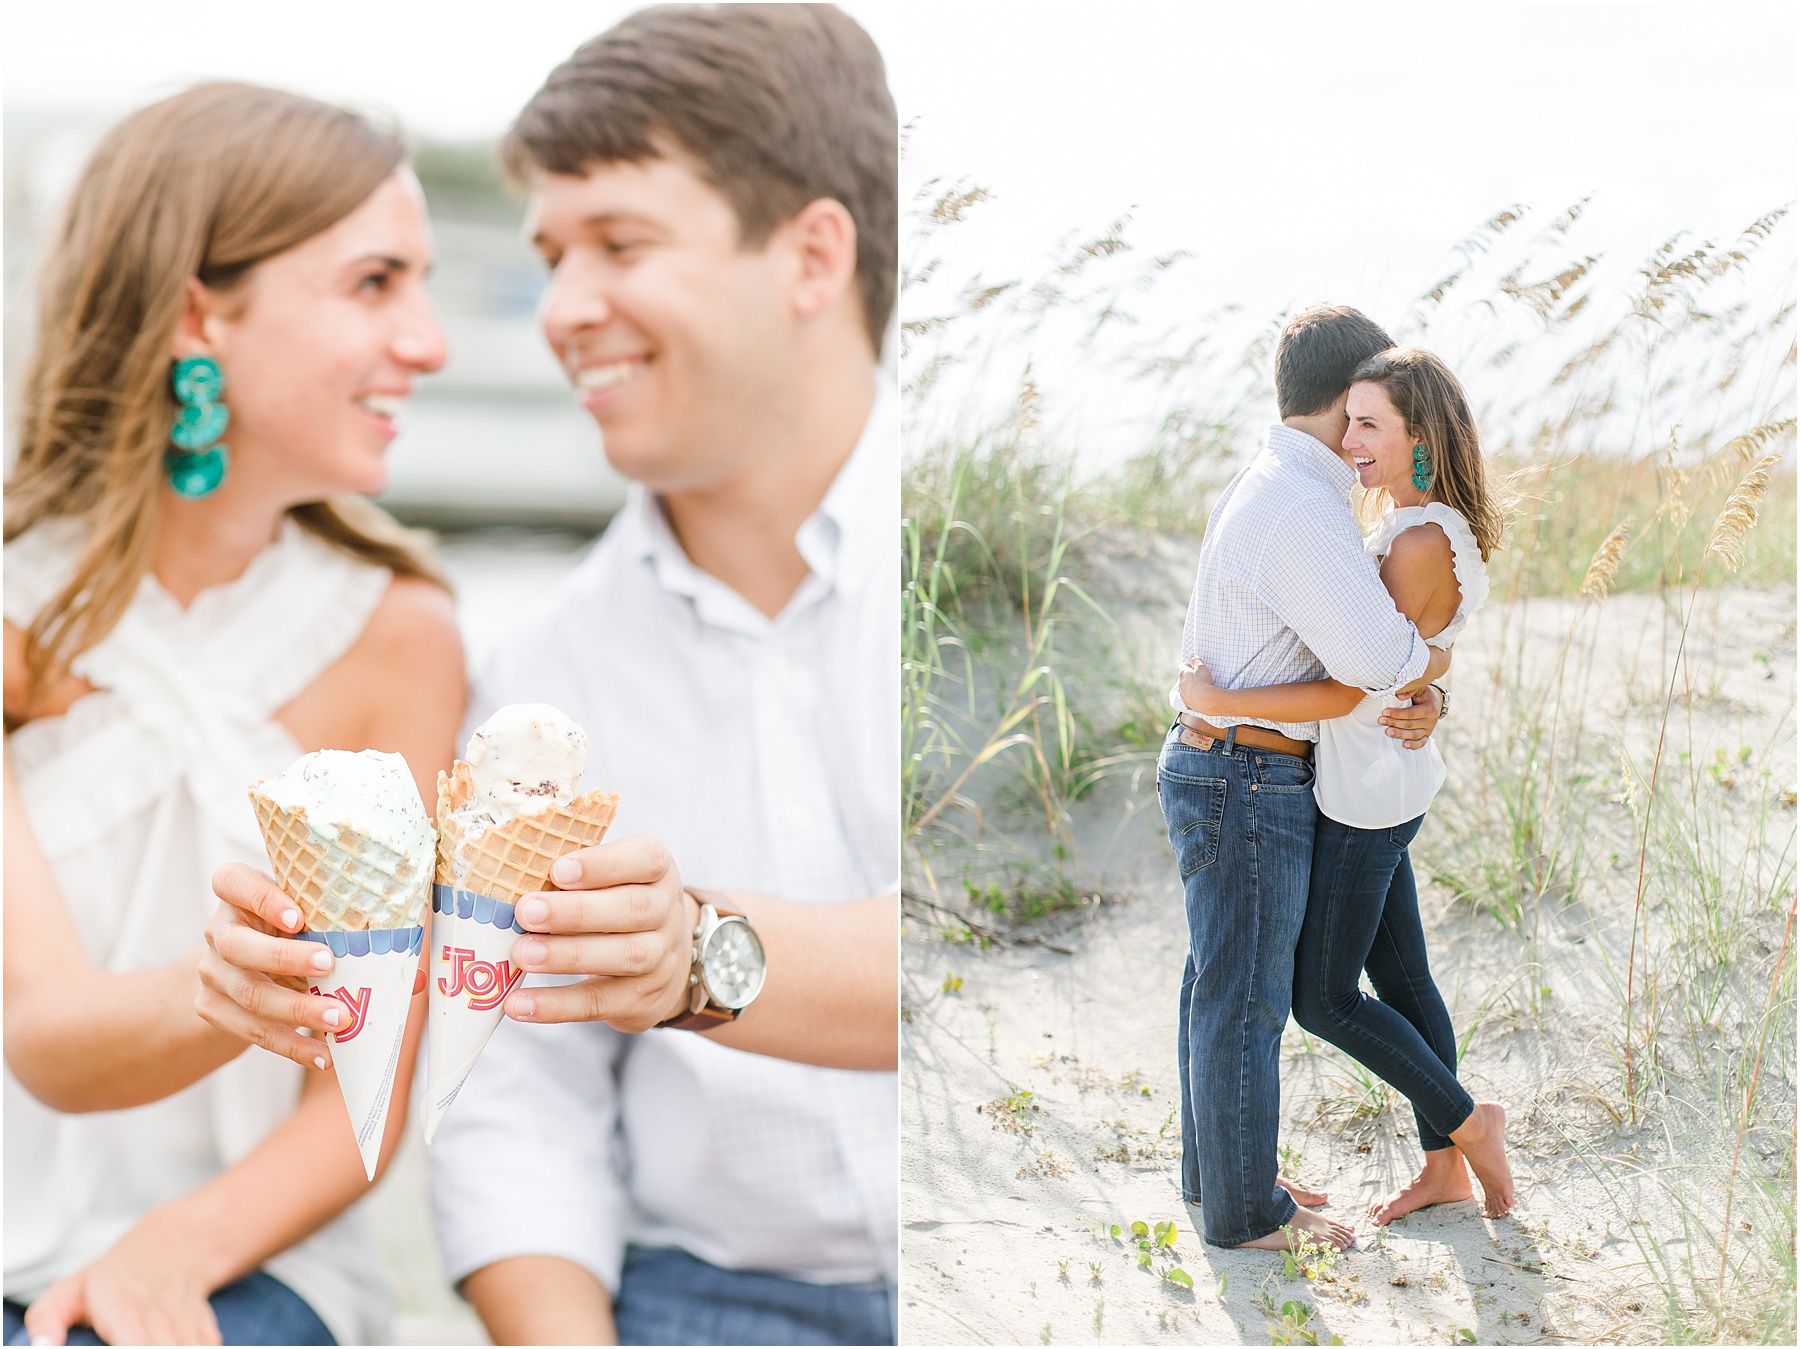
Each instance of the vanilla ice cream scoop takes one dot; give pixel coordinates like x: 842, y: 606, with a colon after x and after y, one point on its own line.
x: 525, y: 759
x: 348, y: 839
x: 368, y: 793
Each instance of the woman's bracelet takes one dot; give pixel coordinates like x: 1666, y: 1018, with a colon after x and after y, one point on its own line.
x: 1443, y: 701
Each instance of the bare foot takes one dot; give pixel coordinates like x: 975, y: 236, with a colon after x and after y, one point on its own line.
x: 1482, y: 1140
x: 1442, y: 1180
x: 1304, y: 1225
x: 1301, y: 1195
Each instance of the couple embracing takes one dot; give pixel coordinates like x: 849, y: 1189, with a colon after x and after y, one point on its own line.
x: 1300, y: 768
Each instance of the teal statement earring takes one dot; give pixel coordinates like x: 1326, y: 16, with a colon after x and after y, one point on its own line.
x: 1423, y: 476
x: 194, y: 463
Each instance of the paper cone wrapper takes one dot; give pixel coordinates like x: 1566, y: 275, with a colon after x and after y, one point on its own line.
x: 471, y: 974
x: 373, y: 978
x: 472, y: 924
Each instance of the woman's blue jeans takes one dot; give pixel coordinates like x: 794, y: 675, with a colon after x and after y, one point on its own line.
x: 1362, y: 913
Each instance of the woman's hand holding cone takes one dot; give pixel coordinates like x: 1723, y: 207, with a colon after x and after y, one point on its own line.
x: 253, y: 977
x: 620, y: 916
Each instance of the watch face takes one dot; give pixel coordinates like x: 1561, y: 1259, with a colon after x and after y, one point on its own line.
x: 733, y: 964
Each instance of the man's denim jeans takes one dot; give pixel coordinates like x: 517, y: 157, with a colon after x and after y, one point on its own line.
x: 667, y: 1296
x: 1241, y: 824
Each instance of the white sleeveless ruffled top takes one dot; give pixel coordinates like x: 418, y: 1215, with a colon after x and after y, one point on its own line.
x: 137, y: 794
x: 1363, y: 776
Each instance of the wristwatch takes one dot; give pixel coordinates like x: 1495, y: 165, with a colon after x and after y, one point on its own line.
x: 728, y: 966
x: 1444, y: 704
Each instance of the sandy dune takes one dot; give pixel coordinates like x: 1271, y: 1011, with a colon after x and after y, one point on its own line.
x: 1009, y: 1199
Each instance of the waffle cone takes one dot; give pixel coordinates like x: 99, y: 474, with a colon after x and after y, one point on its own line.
x: 343, y: 884
x: 511, y: 860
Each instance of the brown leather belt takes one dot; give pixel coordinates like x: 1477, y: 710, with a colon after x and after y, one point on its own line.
x: 1202, y: 734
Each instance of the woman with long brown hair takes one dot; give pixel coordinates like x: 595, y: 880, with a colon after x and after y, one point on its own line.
x: 1412, y: 439
x: 231, y: 315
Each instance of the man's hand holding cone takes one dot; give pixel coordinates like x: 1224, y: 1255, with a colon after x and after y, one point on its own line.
x: 473, y: 921
x: 621, y: 917
x: 506, y: 814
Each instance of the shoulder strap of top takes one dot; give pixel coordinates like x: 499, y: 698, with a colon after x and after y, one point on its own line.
x: 1465, y: 554
x: 1465, y: 557
x: 1396, y: 519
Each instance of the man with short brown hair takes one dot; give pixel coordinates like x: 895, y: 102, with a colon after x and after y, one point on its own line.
x: 1318, y: 349
x: 812, y: 120
x: 714, y: 191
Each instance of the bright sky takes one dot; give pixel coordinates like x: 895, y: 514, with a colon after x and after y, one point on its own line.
x: 449, y: 68
x: 1307, y: 150
x: 1297, y: 149
x: 1300, y: 151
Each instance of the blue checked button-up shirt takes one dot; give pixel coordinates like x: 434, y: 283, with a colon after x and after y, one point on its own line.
x: 1285, y: 591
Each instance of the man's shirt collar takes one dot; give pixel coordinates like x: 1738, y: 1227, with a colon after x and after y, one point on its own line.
x: 851, y: 534
x: 842, y: 542
x: 1298, y: 450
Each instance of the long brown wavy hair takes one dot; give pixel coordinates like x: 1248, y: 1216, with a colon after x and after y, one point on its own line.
x: 1438, y: 416
x: 205, y: 185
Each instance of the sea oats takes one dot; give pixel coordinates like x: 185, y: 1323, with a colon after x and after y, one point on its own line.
x: 1739, y: 450
x: 1674, y: 506
x: 1026, y: 409
x: 1739, y: 515
x: 954, y: 204
x: 980, y: 297
x: 1599, y: 578
x: 1761, y: 228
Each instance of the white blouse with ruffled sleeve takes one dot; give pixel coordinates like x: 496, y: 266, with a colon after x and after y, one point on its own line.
x: 1363, y: 776
x: 136, y: 795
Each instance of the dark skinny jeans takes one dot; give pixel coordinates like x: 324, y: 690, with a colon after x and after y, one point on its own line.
x: 1362, y: 913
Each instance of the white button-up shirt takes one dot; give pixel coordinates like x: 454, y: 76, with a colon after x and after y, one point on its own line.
x: 765, y: 754
x: 1285, y: 591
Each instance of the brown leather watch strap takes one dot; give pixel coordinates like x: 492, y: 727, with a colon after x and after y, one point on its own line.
x: 707, y: 1016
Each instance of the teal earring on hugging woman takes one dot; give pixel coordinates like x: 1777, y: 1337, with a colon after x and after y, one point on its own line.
x: 195, y: 462
x: 1423, y: 475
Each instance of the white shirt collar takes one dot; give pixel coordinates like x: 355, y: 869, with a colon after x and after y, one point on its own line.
x: 841, y: 541
x: 846, y: 539
x: 1313, y: 455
